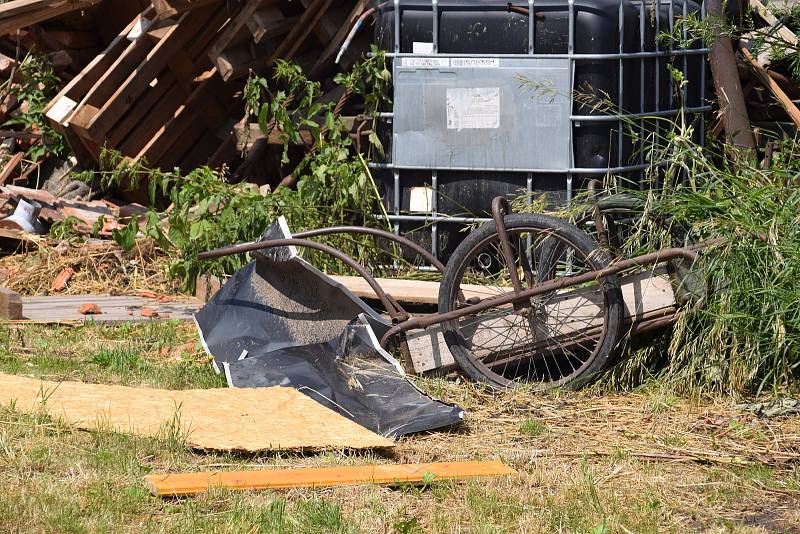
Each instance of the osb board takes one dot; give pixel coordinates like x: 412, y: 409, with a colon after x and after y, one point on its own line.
x: 251, y: 420
x: 183, y: 484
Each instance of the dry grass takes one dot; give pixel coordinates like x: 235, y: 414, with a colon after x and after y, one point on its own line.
x: 644, y: 462
x: 98, y: 266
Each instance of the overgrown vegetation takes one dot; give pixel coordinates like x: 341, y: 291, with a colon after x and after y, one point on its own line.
x: 333, y: 182
x: 36, y: 84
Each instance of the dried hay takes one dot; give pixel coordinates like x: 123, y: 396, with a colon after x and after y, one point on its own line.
x: 101, y: 267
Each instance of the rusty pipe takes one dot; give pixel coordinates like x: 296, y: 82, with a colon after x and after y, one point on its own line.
x: 394, y: 312
x: 545, y: 287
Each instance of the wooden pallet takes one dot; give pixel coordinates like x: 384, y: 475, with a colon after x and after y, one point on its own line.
x: 262, y: 32
x: 153, y: 94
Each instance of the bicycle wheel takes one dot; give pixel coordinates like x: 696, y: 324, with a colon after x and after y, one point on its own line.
x: 557, y: 338
x: 622, y: 219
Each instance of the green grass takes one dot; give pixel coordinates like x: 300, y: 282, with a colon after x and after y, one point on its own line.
x: 54, y: 478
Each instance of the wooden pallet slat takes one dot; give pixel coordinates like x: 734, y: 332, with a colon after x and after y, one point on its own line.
x: 186, y: 484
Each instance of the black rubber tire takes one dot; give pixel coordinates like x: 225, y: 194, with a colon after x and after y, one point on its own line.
x: 594, y: 256
x: 688, y: 285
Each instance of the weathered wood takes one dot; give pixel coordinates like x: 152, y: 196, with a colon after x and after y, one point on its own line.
x: 19, y: 14
x: 235, y: 419
x: 185, y: 484
x: 10, y: 167
x: 269, y: 22
x: 128, y: 79
x: 772, y: 85
x: 59, y: 309
x: 10, y: 305
x: 170, y: 8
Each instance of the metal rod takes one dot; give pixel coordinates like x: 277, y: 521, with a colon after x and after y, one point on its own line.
x: 545, y: 287
x: 609, y: 56
x: 338, y: 254
x: 402, y: 241
x: 501, y: 208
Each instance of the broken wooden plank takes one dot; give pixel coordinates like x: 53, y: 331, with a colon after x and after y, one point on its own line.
x: 185, y: 484
x: 10, y: 304
x: 226, y: 419
x: 19, y: 14
x: 10, y: 167
x: 116, y: 309
x: 772, y: 85
x: 270, y: 22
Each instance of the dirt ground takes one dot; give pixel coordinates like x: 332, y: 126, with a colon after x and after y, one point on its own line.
x: 638, y: 462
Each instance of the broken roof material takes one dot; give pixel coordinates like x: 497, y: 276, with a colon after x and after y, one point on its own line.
x: 281, y: 322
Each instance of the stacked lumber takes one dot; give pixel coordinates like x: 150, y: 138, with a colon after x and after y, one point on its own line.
x: 23, y: 13
x: 771, y: 97
x: 152, y: 94
x: 165, y: 90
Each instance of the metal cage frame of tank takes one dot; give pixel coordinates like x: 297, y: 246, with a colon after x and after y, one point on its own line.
x: 433, y: 217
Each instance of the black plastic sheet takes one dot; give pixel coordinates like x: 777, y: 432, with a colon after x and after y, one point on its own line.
x: 281, y: 322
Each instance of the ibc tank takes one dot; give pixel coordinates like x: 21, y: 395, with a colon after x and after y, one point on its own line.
x: 614, y: 51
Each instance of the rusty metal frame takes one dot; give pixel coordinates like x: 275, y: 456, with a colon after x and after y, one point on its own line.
x: 519, y: 297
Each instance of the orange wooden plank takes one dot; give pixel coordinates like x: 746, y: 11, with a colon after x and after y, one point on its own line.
x: 183, y: 484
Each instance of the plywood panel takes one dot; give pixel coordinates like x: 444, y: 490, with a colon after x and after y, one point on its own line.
x: 176, y: 485
x: 250, y: 420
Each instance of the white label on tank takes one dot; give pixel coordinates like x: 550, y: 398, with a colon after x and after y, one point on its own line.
x: 473, y: 108
x: 421, y: 200
x: 426, y: 62
x: 476, y: 62
x: 422, y: 48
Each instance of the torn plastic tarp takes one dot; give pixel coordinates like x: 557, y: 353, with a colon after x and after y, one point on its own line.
x: 281, y: 322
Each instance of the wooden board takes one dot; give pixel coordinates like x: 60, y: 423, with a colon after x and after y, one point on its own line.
x: 61, y: 309
x: 19, y: 14
x: 772, y: 85
x: 229, y: 419
x: 184, y: 484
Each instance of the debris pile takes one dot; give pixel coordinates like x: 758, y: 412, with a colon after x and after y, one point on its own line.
x: 160, y: 84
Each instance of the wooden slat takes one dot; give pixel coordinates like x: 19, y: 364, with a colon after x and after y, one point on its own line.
x: 170, y: 8
x: 184, y: 484
x: 228, y: 419
x: 19, y: 14
x: 772, y: 85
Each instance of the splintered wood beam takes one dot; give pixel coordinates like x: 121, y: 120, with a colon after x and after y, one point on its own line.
x: 270, y: 22
x: 170, y: 8
x: 772, y: 85
x: 185, y: 484
x: 19, y: 14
